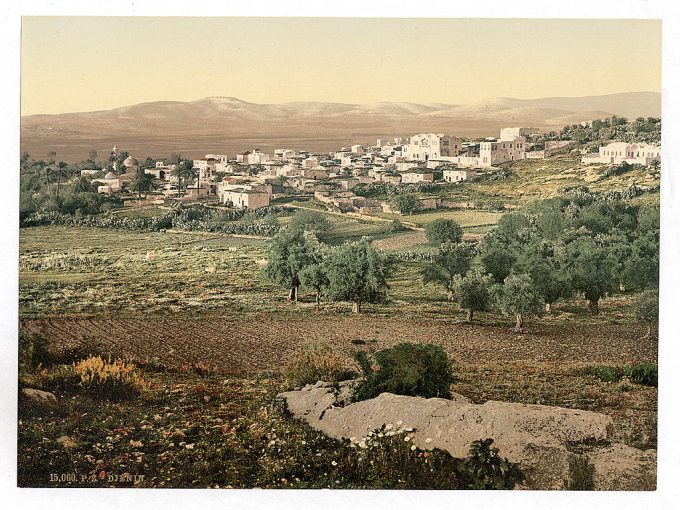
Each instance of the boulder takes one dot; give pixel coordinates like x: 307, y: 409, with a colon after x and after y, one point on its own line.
x: 38, y: 398
x: 622, y: 467
x: 539, y: 438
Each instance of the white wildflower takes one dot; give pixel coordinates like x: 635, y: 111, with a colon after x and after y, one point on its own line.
x: 407, y: 438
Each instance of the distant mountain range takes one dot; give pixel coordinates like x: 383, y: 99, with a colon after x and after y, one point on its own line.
x: 229, y: 124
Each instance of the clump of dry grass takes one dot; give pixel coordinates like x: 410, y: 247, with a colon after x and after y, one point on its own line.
x: 109, y: 378
x: 316, y: 363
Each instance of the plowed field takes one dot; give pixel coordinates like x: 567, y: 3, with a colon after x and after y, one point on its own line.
x: 266, y: 343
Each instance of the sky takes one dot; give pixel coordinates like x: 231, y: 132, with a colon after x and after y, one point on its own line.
x: 71, y: 64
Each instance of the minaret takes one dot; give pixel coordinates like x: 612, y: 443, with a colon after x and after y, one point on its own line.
x: 114, y: 156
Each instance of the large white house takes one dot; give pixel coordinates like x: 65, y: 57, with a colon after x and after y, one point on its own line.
x: 622, y: 152
x: 425, y: 146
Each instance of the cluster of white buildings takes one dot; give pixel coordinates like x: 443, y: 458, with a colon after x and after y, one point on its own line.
x: 251, y: 178
x: 621, y: 152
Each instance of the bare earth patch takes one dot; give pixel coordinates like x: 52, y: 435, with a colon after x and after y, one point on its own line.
x: 264, y: 343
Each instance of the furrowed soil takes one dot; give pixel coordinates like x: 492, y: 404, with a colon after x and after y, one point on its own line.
x: 266, y: 343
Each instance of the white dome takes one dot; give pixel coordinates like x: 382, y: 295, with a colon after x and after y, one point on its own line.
x: 130, y: 161
x: 110, y: 175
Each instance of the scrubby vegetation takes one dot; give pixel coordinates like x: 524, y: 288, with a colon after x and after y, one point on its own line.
x: 316, y: 363
x: 183, y: 428
x: 641, y: 373
x: 405, y: 369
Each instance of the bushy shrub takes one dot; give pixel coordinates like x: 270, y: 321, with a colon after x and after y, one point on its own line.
x: 33, y: 352
x: 316, y: 363
x: 485, y: 469
x: 405, y: 369
x: 109, y: 379
x: 605, y: 373
x: 311, y: 221
x: 642, y: 373
x: 191, y: 218
x: 442, y: 231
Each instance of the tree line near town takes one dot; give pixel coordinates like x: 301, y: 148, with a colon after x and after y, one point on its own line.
x: 560, y: 248
x: 43, y: 182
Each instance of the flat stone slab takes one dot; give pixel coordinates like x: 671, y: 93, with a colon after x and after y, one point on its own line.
x: 535, y: 436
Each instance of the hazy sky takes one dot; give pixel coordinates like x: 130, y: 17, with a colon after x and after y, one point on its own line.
x: 91, y: 63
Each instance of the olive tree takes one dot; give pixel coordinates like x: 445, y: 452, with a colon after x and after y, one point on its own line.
x: 647, y: 309
x: 472, y: 292
x: 313, y: 221
x: 315, y: 277
x: 452, y: 260
x: 443, y: 231
x: 592, y: 270
x: 406, y: 203
x: 356, y: 272
x: 519, y: 297
x: 288, y: 253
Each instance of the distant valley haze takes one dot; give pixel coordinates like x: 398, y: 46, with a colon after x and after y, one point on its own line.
x: 228, y: 125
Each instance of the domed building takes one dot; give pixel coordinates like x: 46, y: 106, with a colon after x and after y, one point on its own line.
x: 110, y: 175
x: 131, y: 165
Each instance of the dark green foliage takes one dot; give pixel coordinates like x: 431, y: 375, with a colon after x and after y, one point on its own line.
x: 451, y: 260
x: 647, y: 306
x: 605, y: 373
x: 315, y: 277
x: 405, y: 369
x: 444, y: 231
x: 511, y: 228
x: 27, y: 205
x: 356, y: 272
x: 581, y: 474
x: 406, y: 203
x: 519, y: 296
x: 498, y: 261
x: 311, y: 221
x: 592, y: 269
x: 33, y: 352
x: 485, y: 469
x: 472, y: 292
x: 83, y: 185
x: 643, y: 373
x: 288, y: 253
x: 85, y: 203
x: 193, y: 218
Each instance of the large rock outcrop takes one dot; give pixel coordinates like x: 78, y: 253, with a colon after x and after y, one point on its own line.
x: 542, y: 439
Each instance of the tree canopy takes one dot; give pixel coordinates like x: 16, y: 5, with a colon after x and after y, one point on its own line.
x: 442, y: 231
x: 358, y: 273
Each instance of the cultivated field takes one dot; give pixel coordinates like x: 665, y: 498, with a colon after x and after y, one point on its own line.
x: 198, y: 305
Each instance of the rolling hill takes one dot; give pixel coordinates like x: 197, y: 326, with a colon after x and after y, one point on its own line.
x: 228, y: 124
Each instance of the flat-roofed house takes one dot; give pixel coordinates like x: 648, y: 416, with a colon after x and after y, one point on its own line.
x: 243, y: 198
x: 456, y: 175
x: 414, y: 177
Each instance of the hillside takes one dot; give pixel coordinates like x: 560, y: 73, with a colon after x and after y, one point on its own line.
x: 228, y: 124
